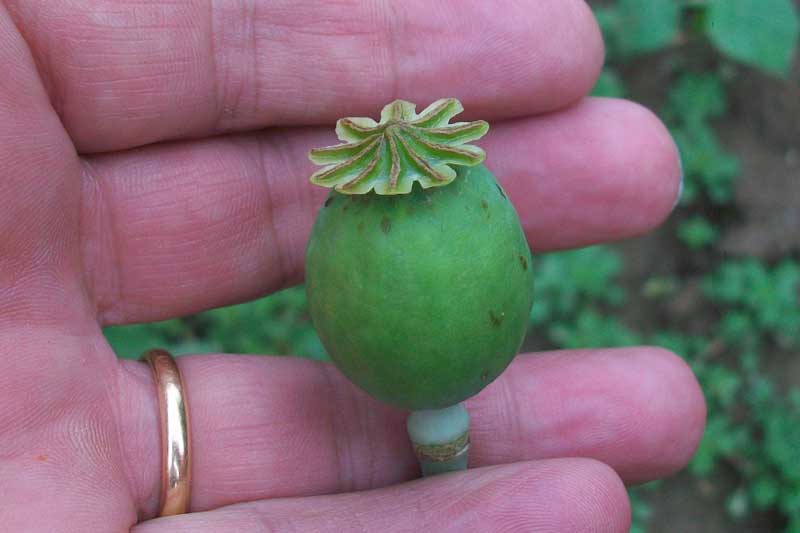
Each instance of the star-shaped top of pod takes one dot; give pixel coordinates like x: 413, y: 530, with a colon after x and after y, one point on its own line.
x: 404, y: 147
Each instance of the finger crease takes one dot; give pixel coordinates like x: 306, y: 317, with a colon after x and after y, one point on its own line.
x: 334, y: 419
x: 281, y: 258
x: 216, y: 76
x: 99, y: 243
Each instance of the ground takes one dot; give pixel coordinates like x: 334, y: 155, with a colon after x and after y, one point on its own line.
x: 763, y: 130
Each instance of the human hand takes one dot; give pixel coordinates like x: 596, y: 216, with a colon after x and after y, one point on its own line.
x: 136, y: 185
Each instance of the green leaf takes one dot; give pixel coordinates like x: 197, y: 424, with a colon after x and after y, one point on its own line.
x: 278, y: 324
x: 607, y: 19
x: 609, y: 85
x: 591, y: 329
x: 765, y: 491
x: 794, y: 523
x: 723, y: 385
x: 566, y: 281
x: 790, y: 503
x: 761, y: 33
x: 641, y: 512
x: 736, y: 328
x: 767, y: 295
x: 646, y: 25
x: 129, y: 342
x: 697, y: 232
x: 695, y: 97
x: 708, y: 169
x: 713, y: 446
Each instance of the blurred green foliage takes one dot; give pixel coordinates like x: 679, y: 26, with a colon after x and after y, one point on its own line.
x: 747, y: 310
x: 758, y: 300
x: 609, y: 85
x: 760, y: 33
x: 697, y: 232
x: 693, y: 100
x: 589, y: 271
x: 750, y: 310
x: 633, y: 27
x: 275, y: 325
x: 130, y: 341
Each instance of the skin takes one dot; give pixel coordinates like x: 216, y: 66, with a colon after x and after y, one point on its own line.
x: 104, y: 222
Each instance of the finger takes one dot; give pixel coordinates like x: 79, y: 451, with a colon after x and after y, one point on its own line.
x: 277, y: 427
x: 131, y: 73
x: 39, y: 195
x: 544, y: 496
x: 58, y: 442
x: 174, y: 229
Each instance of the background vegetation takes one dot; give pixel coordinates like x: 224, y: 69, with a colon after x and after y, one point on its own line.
x: 717, y: 284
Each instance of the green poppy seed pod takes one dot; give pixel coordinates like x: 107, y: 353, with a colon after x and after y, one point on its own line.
x: 417, y: 269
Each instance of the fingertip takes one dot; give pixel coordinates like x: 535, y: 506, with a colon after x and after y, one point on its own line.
x: 589, y: 494
x: 674, y: 414
x: 638, y: 409
x: 605, y: 506
x: 602, y: 170
x: 640, y: 162
x: 684, y: 402
x: 644, y: 143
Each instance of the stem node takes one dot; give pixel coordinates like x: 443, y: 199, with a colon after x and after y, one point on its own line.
x: 440, y: 438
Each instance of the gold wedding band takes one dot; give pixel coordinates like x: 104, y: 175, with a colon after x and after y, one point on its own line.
x: 173, y: 407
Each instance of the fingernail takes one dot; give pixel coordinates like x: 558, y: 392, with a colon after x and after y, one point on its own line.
x: 680, y: 186
x: 680, y: 193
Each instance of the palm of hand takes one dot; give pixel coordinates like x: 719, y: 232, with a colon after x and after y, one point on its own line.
x: 100, y: 226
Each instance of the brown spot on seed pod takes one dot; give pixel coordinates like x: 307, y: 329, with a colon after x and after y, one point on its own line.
x: 523, y: 262
x: 484, y: 375
x: 386, y: 224
x: 484, y: 204
x: 329, y: 201
x: 360, y: 226
x: 496, y: 320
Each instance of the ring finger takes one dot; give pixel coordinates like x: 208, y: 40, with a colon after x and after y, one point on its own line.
x: 267, y: 427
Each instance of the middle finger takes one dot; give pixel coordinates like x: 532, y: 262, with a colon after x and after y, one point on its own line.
x: 176, y: 228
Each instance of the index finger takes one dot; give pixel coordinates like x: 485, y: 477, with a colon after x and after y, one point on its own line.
x: 127, y: 74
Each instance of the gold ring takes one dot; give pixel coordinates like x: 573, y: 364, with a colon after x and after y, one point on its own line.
x: 173, y: 407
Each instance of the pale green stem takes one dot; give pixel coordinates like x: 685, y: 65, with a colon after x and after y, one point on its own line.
x: 440, y: 438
